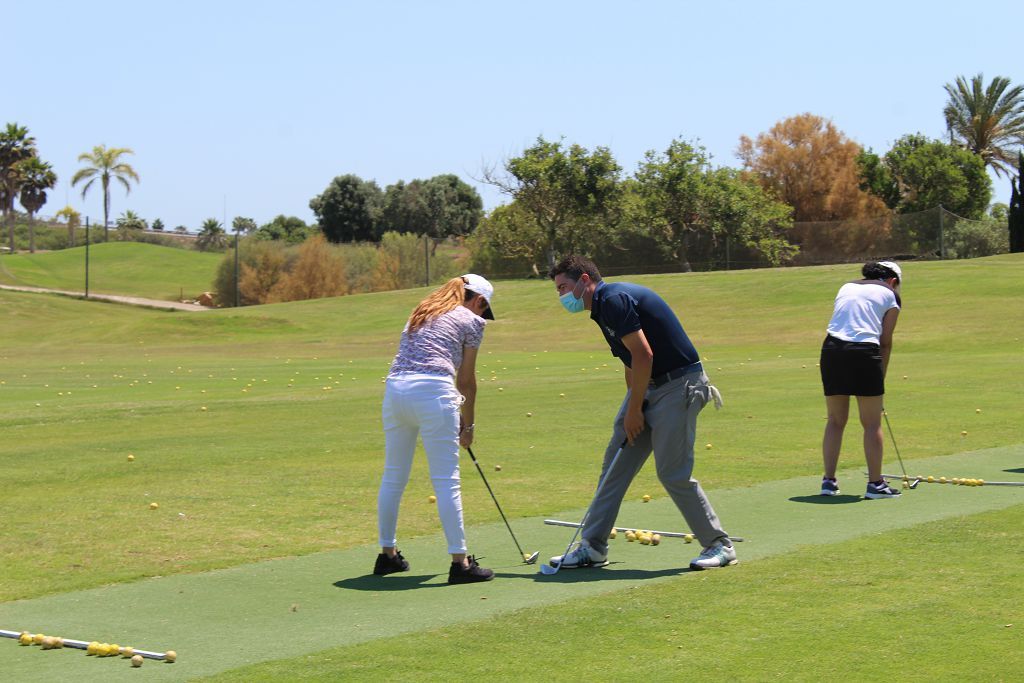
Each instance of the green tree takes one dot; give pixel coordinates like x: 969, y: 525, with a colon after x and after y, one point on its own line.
x: 16, y: 145
x: 572, y: 194
x: 37, y: 177
x: 348, y: 208
x: 989, y: 121
x: 508, y: 241
x: 243, y: 226
x: 211, y: 236
x: 443, y: 206
x: 691, y: 209
x: 129, y: 226
x: 158, y: 225
x: 288, y: 229
x: 73, y: 220
x: 919, y: 174
x: 105, y: 164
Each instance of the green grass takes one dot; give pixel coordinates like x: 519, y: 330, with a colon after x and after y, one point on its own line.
x: 288, y: 467
x: 127, y: 268
x: 925, y: 603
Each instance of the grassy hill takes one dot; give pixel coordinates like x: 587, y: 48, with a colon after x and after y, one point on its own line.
x: 129, y: 268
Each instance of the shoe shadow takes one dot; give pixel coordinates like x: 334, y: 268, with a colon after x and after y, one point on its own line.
x: 600, y: 574
x: 1015, y: 469
x: 392, y: 582
x: 827, y: 500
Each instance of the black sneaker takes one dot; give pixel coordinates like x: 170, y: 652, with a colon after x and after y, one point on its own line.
x: 829, y: 487
x: 474, y: 573
x: 881, y: 489
x: 390, y: 565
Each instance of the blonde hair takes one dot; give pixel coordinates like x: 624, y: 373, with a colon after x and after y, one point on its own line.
x: 445, y: 298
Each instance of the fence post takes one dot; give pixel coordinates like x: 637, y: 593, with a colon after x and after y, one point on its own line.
x: 727, y: 251
x: 942, y: 236
x: 426, y: 255
x: 86, y: 257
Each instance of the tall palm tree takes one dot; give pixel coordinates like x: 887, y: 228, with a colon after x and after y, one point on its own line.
x: 37, y: 177
x: 105, y: 164
x: 988, y: 121
x: 73, y: 218
x: 211, y: 236
x: 16, y: 145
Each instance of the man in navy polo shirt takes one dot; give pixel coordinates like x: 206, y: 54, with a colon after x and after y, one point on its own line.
x: 666, y: 389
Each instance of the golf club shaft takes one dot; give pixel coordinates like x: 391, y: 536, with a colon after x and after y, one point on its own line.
x: 496, y: 504
x: 924, y: 480
x: 624, y: 529
x: 893, y: 438
x: 590, y: 507
x: 81, y: 645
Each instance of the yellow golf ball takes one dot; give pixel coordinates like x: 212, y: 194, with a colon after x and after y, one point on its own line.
x: 613, y: 533
x: 103, y: 649
x: 646, y: 498
x: 431, y: 499
x: 48, y: 643
x: 630, y: 536
x: 90, y: 649
x: 655, y: 539
x: 137, y: 661
x: 981, y: 482
x: 154, y: 505
x: 688, y: 538
x: 931, y: 479
x: 37, y: 639
x: 645, y: 539
x: 171, y: 656
x: 127, y: 651
x: 131, y: 457
x: 25, y: 639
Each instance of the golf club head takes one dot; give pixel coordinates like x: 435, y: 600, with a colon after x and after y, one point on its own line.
x: 531, y: 559
x: 548, y: 570
x: 913, y: 484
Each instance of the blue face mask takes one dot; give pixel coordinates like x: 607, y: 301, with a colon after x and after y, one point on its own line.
x: 571, y: 303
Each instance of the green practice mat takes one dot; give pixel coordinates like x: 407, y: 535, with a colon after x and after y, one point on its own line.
x: 225, y: 619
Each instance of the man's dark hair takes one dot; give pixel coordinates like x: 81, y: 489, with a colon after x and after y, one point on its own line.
x: 873, y: 270
x: 573, y: 266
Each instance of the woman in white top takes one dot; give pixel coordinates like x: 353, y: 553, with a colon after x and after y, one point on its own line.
x: 854, y: 359
x: 431, y: 392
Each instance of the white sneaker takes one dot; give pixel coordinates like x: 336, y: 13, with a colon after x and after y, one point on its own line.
x: 715, y: 555
x: 581, y: 556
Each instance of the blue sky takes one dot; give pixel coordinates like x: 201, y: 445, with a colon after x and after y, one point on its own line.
x: 250, y: 108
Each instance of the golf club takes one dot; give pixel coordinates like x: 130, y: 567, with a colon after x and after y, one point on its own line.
x: 950, y: 480
x: 624, y: 529
x: 896, y: 448
x: 528, y: 559
x: 548, y: 569
x: 82, y: 645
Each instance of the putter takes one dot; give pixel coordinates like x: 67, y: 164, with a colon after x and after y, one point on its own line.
x: 548, y: 569
x: 896, y: 448
x: 528, y: 559
x: 623, y: 529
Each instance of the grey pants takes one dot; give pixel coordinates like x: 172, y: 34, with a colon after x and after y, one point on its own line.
x: 671, y: 430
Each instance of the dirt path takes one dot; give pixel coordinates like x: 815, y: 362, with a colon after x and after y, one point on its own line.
x: 130, y: 300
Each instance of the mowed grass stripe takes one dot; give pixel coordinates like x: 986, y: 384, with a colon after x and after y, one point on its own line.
x: 289, y: 607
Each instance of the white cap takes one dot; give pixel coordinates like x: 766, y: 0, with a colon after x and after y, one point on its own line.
x: 891, y: 265
x: 480, y: 285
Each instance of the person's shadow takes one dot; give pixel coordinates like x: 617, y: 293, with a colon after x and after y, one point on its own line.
x: 394, y: 582
x: 1015, y: 469
x: 599, y: 574
x: 841, y: 499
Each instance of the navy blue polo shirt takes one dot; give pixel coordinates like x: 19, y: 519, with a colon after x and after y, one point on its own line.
x: 621, y: 308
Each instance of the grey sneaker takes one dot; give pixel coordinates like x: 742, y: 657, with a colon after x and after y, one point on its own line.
x: 881, y: 489
x: 829, y: 487
x: 582, y: 556
x: 715, y: 555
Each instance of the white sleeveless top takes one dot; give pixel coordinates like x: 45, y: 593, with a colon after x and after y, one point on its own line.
x: 859, y: 309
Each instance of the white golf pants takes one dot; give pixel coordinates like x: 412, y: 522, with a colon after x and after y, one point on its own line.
x: 427, y: 405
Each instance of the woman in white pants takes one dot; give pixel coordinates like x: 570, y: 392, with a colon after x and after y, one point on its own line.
x: 431, y: 391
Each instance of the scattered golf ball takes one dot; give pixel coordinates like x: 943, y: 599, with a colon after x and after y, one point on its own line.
x: 37, y: 639
x: 48, y: 643
x: 942, y: 480
x: 171, y: 656
x: 25, y: 639
x: 90, y: 649
x: 613, y: 533
x: 128, y: 651
x: 103, y: 649
x: 529, y: 415
x: 655, y: 539
x: 707, y: 446
x: 154, y: 505
x: 906, y: 485
x: 645, y: 539
x: 688, y: 538
x: 497, y: 468
x: 981, y: 482
x: 977, y: 410
x: 646, y: 498
x: 431, y: 499
x: 963, y: 433
x: 630, y: 536
x: 131, y: 458
x: 58, y: 642
x: 931, y: 479
x: 115, y: 650
x: 136, y: 661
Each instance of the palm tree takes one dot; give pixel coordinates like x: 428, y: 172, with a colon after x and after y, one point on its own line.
x: 73, y: 218
x: 988, y: 121
x: 16, y: 145
x: 211, y: 236
x: 37, y: 177
x: 105, y: 164
x: 129, y: 226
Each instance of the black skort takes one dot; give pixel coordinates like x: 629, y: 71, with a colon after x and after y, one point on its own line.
x: 851, y: 368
